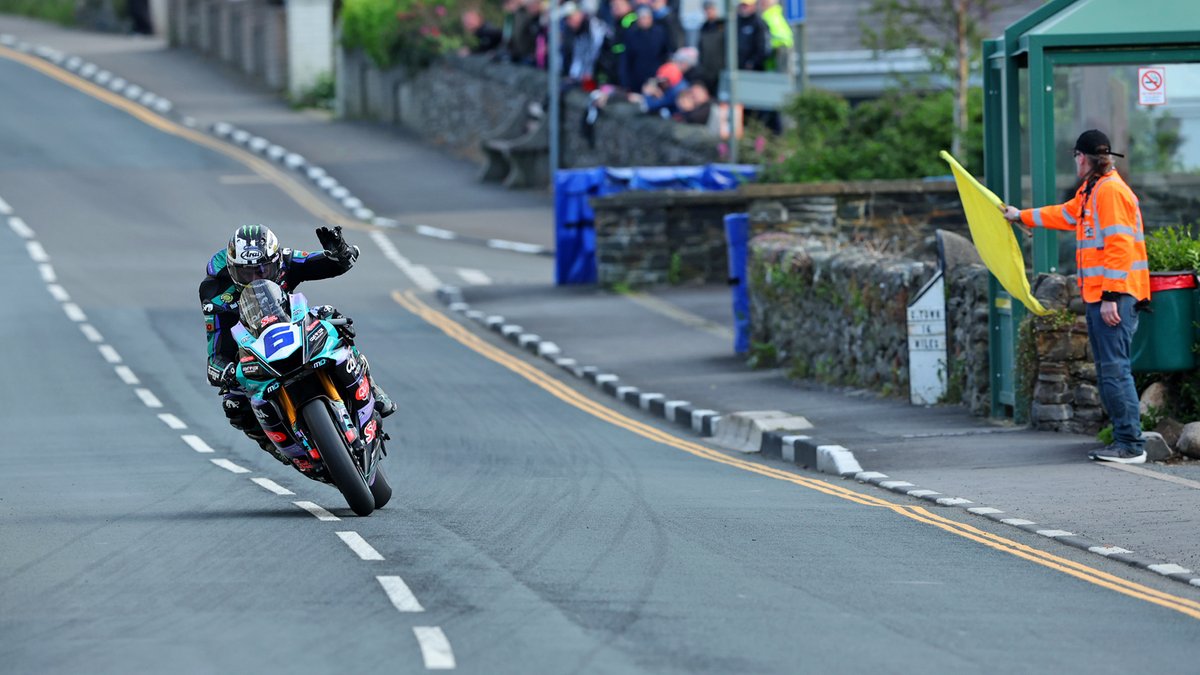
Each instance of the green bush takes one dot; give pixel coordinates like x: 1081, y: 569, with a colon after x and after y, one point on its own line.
x: 1172, y: 249
x: 402, y: 32
x: 59, y: 11
x: 897, y: 136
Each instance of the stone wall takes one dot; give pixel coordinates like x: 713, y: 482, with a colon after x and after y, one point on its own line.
x: 456, y: 101
x: 1056, y: 361
x: 969, y: 368
x: 249, y: 35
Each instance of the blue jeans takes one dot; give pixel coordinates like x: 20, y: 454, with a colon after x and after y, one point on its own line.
x: 1111, y: 351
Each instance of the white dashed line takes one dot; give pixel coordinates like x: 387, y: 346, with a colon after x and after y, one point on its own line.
x: 1054, y: 534
x: 127, y: 375
x: 148, y: 398
x: 400, y: 595
x: 1109, y: 550
x: 435, y: 648
x: 1017, y: 521
x: 1170, y: 568
x: 60, y: 294
x: 229, y: 466
x: 436, y: 232
x: 196, y: 443
x: 474, y: 277
x: 24, y: 231
x: 5, y: 209
x: 514, y: 246
x: 317, y: 511
x: 272, y: 486
x: 359, y: 545
x: 36, y: 252
x: 74, y: 313
x: 91, y: 333
x: 172, y: 421
x: 47, y: 272
x: 420, y: 275
x: 109, y: 354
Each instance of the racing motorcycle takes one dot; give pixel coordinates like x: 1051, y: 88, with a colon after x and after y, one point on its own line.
x: 311, y: 392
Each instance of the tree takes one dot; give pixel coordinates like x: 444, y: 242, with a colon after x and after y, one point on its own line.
x: 948, y: 31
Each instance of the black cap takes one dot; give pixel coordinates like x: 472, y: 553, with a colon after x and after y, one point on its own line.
x: 1094, y: 142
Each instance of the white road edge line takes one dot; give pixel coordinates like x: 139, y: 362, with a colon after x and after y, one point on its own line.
x: 196, y: 443
x: 399, y: 593
x: 109, y: 353
x: 317, y: 511
x: 5, y: 209
x: 272, y: 486
x: 47, y: 272
x: 148, y: 398
x: 36, y: 252
x: 435, y: 648
x: 60, y: 294
x: 20, y: 228
x: 1150, y: 473
x: 127, y: 375
x: 420, y: 275
x: 474, y: 277
x: 359, y: 545
x: 75, y: 314
x: 172, y: 421
x: 229, y: 466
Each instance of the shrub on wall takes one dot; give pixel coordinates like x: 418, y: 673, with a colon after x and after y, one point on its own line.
x: 59, y: 11
x: 402, y: 32
x: 897, y: 136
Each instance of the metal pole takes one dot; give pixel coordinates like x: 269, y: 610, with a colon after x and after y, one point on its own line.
x: 731, y: 69
x: 554, y: 82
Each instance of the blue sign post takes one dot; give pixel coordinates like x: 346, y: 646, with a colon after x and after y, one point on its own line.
x: 794, y: 10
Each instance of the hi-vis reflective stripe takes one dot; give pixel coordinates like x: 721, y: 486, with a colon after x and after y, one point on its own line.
x: 1116, y: 274
x: 1097, y: 244
x: 1067, y: 216
x: 1121, y: 229
x: 1140, y: 265
x: 1037, y: 218
x: 1091, y: 272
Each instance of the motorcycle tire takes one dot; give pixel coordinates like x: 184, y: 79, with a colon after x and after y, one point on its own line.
x: 381, y: 489
x: 332, y: 447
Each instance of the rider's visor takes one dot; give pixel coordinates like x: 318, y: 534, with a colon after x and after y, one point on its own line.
x: 242, y: 275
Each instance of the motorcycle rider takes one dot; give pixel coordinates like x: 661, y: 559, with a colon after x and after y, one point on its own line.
x: 253, y: 252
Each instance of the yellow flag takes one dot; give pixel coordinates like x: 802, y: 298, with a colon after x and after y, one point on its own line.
x: 993, y: 236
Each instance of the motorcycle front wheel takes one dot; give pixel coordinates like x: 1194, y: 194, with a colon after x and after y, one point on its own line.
x: 381, y: 489
x: 333, y: 450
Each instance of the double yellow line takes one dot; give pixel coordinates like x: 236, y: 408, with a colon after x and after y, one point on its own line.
x: 306, y: 200
x: 409, y: 301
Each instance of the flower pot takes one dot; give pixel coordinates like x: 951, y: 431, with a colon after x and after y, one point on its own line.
x: 1166, y: 335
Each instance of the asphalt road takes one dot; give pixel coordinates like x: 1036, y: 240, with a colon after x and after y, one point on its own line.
x: 531, y: 531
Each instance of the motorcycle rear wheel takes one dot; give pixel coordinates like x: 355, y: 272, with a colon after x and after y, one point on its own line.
x: 336, y: 455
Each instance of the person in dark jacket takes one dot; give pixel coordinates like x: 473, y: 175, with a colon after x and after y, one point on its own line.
x: 712, y: 49
x: 647, y: 46
x: 527, y: 25
x: 754, y: 38
x: 485, y: 36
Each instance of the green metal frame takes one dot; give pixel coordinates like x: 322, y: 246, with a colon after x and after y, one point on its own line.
x: 1039, y: 54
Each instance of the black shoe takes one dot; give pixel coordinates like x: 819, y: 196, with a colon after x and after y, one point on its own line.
x: 1119, y: 454
x: 384, y: 404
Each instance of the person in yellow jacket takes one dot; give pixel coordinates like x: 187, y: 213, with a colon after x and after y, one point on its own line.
x: 1110, y: 255
x: 782, y: 39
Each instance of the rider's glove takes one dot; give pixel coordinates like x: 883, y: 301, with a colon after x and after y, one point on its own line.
x: 228, y: 378
x: 335, y: 246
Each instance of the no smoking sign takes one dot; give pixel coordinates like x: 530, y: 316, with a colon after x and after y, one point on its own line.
x: 1152, y: 86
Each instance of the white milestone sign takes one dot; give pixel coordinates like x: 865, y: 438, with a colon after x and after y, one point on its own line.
x: 927, y: 343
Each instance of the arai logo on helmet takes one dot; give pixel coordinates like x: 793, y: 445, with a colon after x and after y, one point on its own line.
x: 252, y: 254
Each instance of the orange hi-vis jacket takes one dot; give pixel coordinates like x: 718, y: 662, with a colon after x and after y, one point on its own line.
x: 1110, y: 247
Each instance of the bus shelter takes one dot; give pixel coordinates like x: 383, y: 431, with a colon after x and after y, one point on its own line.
x: 1131, y: 69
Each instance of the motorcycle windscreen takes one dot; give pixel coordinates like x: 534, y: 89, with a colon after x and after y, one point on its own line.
x: 262, y: 304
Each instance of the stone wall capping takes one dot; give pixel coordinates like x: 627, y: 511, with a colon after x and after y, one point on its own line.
x: 865, y: 187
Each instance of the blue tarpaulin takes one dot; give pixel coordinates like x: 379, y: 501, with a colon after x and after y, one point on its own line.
x: 574, y: 220
x: 737, y: 238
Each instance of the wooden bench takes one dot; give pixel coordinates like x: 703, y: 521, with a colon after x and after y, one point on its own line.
x: 516, y: 153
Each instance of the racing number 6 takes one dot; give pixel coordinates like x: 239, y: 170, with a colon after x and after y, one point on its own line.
x: 277, y: 338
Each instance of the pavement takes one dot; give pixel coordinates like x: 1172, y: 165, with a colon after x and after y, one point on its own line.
x: 676, y: 341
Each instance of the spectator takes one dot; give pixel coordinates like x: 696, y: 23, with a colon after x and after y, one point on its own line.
x: 585, y: 40
x: 782, y: 40
x: 753, y: 37
x: 511, y: 8
x: 669, y: 18
x: 483, y: 36
x: 712, y: 49
x: 659, y: 95
x: 527, y: 28
x: 694, y: 105
x: 647, y: 46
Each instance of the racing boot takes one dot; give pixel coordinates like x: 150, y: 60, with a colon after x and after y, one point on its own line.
x: 269, y: 447
x: 383, y: 403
